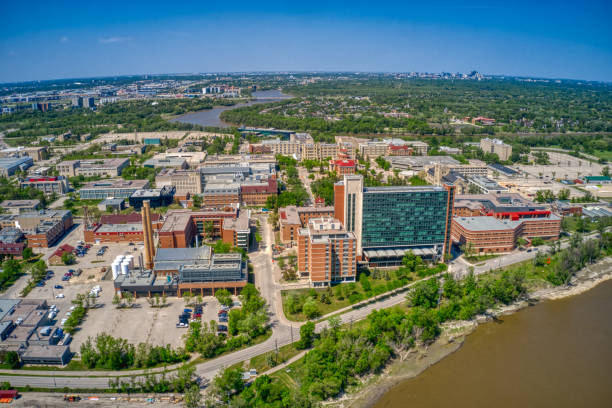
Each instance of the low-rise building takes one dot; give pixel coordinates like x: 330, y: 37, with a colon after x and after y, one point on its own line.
x: 236, y: 231
x: 112, y: 204
x: 48, y: 185
x: 11, y: 165
x: 326, y: 252
x: 157, y: 197
x: 114, y: 228
x: 172, y: 162
x: 342, y: 167
x: 487, y: 234
x: 44, y: 228
x: 256, y: 193
x: 115, y: 188
x: 486, y: 185
x: 12, y: 242
x: 56, y: 257
x: 419, y: 163
x: 185, y: 181
x: 20, y: 206
x: 94, y: 167
x: 182, y: 228
x: 503, y: 151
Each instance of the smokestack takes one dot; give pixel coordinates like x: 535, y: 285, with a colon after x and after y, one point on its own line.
x: 151, y: 239
x: 148, y: 233
x: 145, y: 235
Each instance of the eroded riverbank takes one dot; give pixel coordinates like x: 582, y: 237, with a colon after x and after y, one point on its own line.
x: 397, y: 385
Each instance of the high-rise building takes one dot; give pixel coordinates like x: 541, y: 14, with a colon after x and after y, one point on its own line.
x: 326, y: 252
x: 90, y: 102
x: 389, y: 221
x: 77, y: 102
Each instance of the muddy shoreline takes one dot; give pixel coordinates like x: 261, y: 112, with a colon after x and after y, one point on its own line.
x: 454, y: 334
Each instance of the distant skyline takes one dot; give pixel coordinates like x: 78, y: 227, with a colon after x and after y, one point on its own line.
x: 42, y: 40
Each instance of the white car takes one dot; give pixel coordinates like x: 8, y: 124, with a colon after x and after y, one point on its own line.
x: 72, y: 307
x: 63, y: 322
x: 60, y: 296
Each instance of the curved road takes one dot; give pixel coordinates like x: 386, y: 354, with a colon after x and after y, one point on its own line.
x: 284, y: 332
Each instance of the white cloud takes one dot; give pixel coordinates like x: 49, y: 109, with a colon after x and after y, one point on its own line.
x: 63, y: 39
x: 111, y: 40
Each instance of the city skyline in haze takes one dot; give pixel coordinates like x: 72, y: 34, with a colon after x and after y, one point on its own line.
x: 44, y: 40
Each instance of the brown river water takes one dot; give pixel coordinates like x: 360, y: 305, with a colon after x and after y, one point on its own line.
x: 555, y: 354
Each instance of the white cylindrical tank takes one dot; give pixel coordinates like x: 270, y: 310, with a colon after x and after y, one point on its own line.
x: 124, y: 268
x: 119, y: 258
x: 115, y: 267
x: 130, y: 258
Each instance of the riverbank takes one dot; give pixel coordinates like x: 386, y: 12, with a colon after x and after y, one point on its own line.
x: 454, y: 334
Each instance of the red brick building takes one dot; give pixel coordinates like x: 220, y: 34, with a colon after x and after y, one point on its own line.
x: 342, y: 167
x: 181, y: 227
x: 120, y: 228
x: 56, y: 257
x: 257, y: 194
x: 292, y: 218
x: 326, y: 252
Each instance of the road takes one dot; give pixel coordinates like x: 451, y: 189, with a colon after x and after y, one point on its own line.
x: 283, y: 332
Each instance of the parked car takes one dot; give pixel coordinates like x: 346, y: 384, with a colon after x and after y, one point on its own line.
x: 197, y: 315
x: 222, y: 328
x: 59, y: 296
x: 187, y: 310
x: 223, y: 319
x: 65, y: 278
x: 40, y: 284
x: 182, y: 325
x: 222, y: 312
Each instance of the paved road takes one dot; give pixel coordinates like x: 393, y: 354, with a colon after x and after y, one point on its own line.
x: 284, y: 332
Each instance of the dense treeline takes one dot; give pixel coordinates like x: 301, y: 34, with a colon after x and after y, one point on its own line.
x: 519, y: 105
x: 135, y: 115
x: 111, y: 353
x: 251, y: 116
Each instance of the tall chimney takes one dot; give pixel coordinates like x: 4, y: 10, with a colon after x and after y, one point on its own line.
x: 145, y: 235
x: 147, y: 230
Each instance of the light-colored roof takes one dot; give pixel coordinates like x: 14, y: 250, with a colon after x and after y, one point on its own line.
x: 485, y: 223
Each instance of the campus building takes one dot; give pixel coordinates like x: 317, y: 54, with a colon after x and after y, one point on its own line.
x: 185, y: 181
x: 95, y: 167
x: 185, y: 228
x: 326, y: 252
x: 157, y: 197
x: 487, y: 234
x: 20, y: 206
x: 503, y: 151
x: 343, y: 167
x: 389, y: 221
x: 48, y: 185
x: 114, y: 228
x: 11, y: 165
x: 12, y: 242
x: 292, y: 219
x: 41, y: 228
x: 198, y: 271
x: 115, y: 188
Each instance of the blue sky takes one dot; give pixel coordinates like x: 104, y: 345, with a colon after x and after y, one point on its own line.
x: 60, y: 39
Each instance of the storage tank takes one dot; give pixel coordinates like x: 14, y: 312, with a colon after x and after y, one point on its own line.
x: 130, y: 258
x: 115, y: 267
x: 124, y: 268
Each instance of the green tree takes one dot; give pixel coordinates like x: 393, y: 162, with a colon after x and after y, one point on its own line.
x: 307, y: 335
x: 68, y: 258
x: 27, y: 253
x: 193, y: 397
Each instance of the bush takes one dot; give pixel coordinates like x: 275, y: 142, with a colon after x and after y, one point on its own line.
x: 310, y: 308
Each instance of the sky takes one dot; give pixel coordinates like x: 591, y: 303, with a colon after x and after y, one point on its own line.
x: 538, y: 38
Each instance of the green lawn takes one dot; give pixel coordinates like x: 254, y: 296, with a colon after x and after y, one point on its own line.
x: 480, y: 258
x: 603, y: 154
x: 357, y: 294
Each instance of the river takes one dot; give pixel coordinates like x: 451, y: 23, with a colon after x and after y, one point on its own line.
x: 210, y: 117
x: 555, y: 354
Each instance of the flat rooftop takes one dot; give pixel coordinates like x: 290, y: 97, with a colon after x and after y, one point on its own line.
x: 19, y: 203
x: 485, y: 223
x: 115, y: 184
